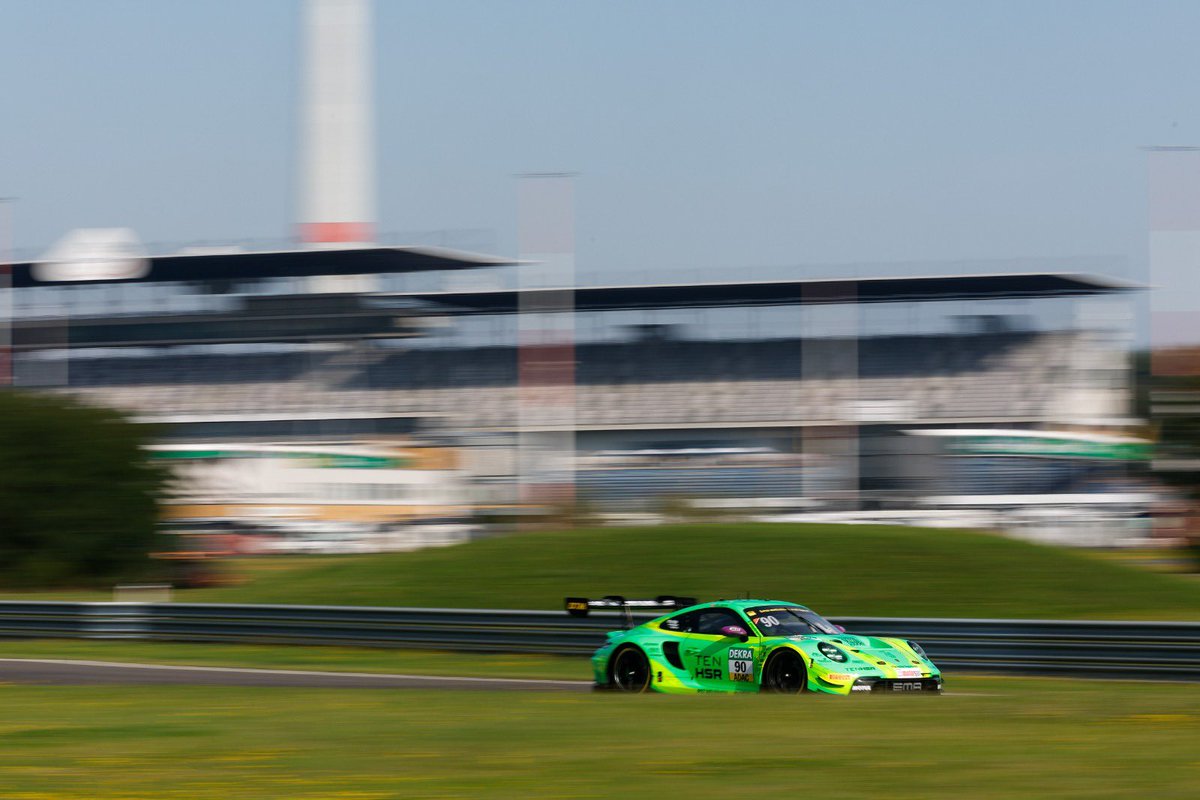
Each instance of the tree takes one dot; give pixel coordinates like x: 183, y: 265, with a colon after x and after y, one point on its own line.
x: 78, y: 495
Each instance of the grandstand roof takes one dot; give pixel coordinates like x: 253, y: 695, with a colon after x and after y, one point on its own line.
x: 285, y: 318
x: 235, y: 266
x: 795, y: 292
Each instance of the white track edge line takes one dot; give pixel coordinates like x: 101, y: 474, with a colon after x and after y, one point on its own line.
x: 260, y: 671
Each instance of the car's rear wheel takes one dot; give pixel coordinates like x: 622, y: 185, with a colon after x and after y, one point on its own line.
x: 784, y: 673
x: 630, y: 670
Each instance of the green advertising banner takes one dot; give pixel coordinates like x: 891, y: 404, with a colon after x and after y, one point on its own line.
x: 315, y: 459
x: 1048, y: 448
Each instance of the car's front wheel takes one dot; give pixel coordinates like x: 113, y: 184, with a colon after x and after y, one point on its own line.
x: 630, y: 670
x: 784, y: 673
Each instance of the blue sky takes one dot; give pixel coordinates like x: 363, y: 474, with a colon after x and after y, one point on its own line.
x: 706, y: 135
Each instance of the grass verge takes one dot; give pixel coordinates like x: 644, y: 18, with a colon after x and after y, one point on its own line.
x: 839, y: 570
x: 993, y: 739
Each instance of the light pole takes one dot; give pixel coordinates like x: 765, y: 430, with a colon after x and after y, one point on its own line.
x: 6, y: 290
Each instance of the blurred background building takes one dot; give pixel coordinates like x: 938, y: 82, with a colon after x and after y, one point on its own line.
x: 688, y: 391
x: 336, y: 380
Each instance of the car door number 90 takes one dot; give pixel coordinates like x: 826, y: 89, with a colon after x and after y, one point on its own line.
x: 741, y: 666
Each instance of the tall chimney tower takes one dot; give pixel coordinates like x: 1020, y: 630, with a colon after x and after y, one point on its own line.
x: 337, y: 204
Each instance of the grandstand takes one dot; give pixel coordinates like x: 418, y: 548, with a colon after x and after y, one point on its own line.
x: 1010, y: 377
x: 267, y: 363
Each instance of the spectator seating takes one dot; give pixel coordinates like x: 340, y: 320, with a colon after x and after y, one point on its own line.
x: 669, y: 383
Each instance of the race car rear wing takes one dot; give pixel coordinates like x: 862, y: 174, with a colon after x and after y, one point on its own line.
x: 580, y: 606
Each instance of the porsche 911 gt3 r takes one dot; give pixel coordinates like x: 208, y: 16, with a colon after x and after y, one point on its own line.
x: 751, y: 646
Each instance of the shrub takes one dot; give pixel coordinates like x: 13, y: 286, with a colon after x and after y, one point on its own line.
x: 78, y: 496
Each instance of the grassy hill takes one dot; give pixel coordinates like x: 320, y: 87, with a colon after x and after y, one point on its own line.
x: 838, y: 570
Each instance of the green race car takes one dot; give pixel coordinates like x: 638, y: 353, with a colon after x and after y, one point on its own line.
x: 750, y: 646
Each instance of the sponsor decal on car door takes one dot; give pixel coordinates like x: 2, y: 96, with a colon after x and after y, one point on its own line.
x: 740, y: 665
x: 714, y: 663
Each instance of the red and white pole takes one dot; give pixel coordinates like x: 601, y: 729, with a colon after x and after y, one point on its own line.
x: 337, y: 201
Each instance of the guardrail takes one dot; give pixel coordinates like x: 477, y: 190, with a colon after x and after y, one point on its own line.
x: 1159, y: 650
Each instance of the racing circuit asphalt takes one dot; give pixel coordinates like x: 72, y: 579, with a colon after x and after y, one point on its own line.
x: 92, y: 673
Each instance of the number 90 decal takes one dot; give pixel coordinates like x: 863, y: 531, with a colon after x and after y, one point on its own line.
x: 741, y: 665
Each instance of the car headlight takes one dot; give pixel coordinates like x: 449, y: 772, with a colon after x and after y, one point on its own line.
x: 916, y: 648
x: 831, y: 652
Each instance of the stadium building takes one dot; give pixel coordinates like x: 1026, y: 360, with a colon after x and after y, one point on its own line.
x: 790, y: 389
x: 785, y: 392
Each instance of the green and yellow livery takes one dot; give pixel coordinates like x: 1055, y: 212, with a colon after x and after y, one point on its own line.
x: 750, y: 646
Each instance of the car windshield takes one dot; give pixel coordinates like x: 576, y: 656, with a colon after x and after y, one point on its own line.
x: 788, y: 621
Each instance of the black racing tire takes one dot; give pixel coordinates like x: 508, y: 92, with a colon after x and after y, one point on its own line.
x: 784, y: 673
x: 629, y: 670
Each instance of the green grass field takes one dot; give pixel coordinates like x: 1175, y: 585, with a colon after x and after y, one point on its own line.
x: 839, y: 570
x: 987, y: 738
x: 1016, y: 738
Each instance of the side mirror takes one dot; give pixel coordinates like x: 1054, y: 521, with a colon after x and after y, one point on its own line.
x: 840, y: 629
x: 735, y: 630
